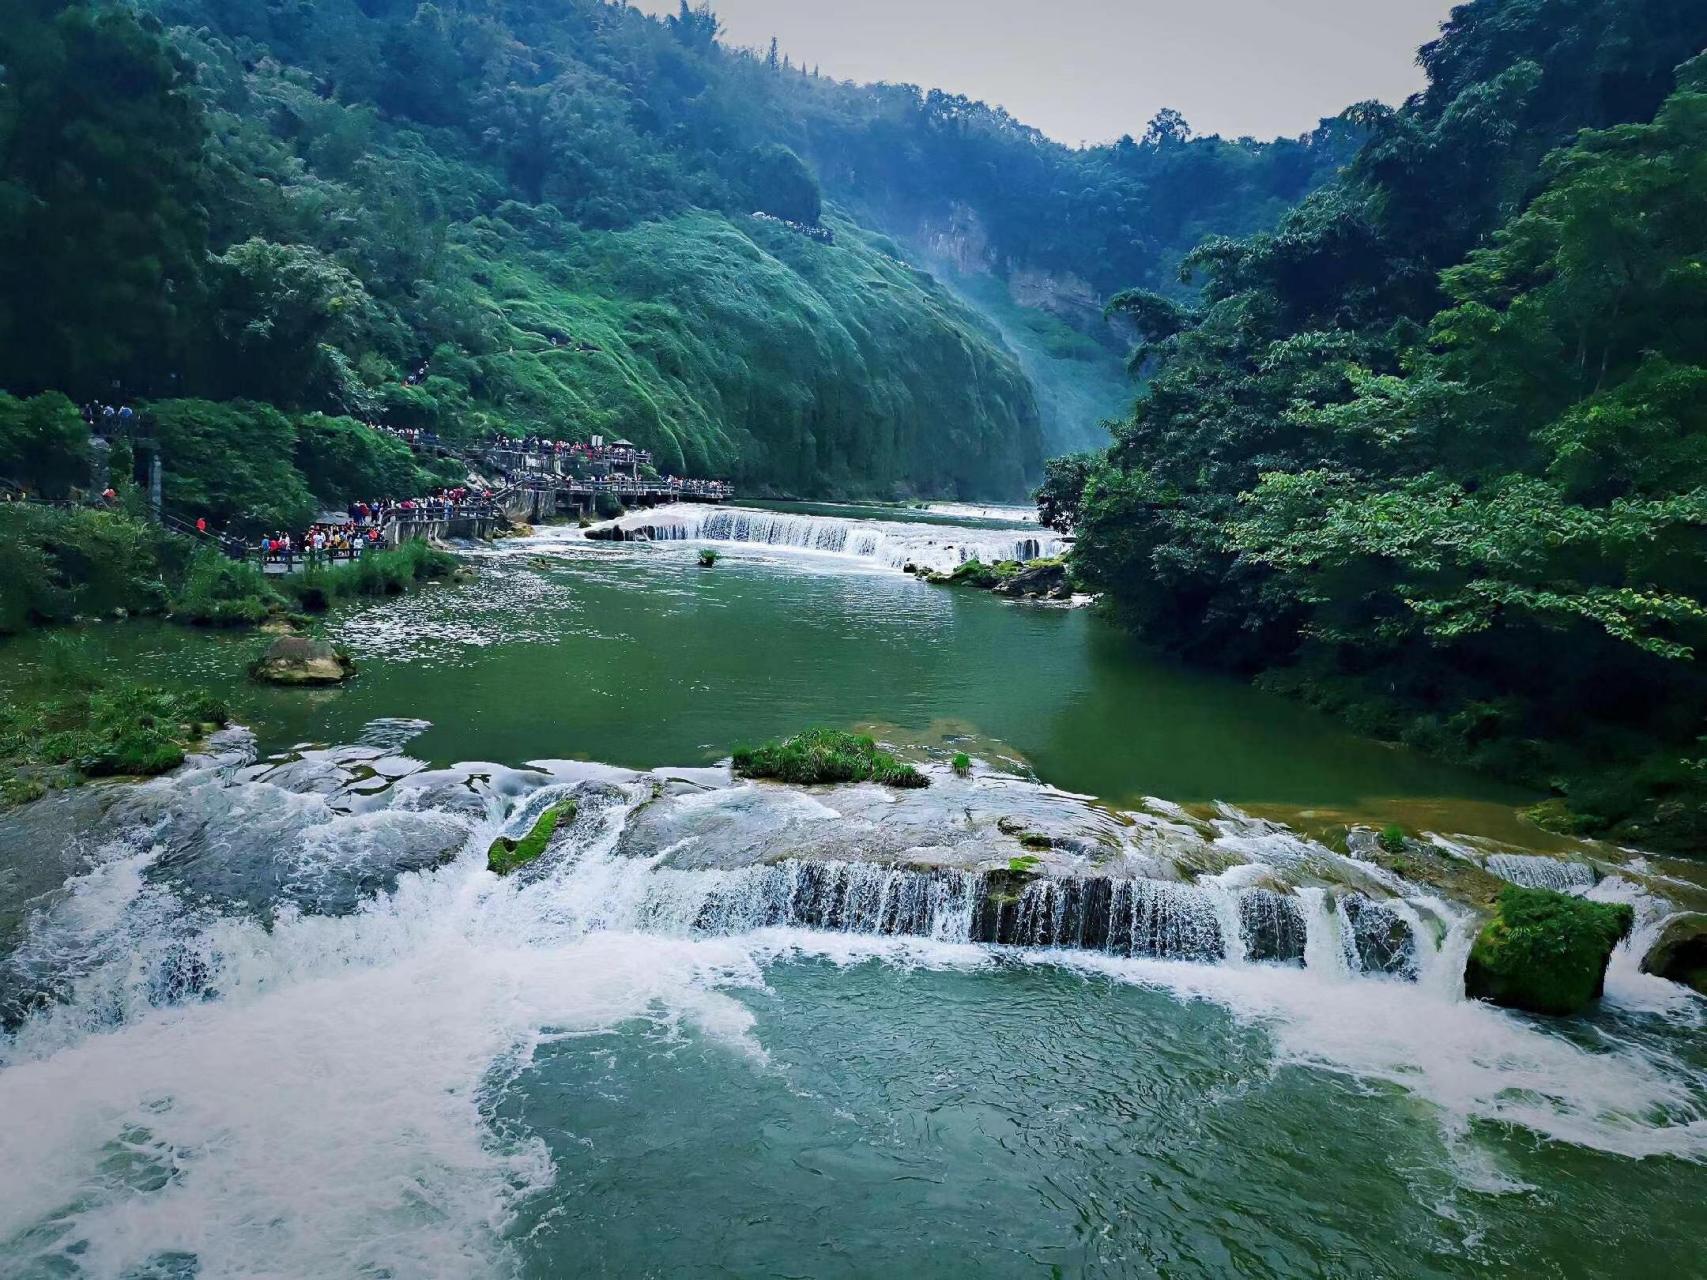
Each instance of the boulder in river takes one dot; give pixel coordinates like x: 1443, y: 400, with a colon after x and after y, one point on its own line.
x: 1545, y: 952
x: 1680, y: 951
x: 1038, y: 580
x: 302, y: 660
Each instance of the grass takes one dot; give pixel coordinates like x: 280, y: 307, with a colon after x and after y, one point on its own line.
x: 377, y: 573
x: 221, y: 592
x: 707, y: 558
x: 507, y: 855
x: 82, y: 725
x: 1393, y: 838
x: 826, y: 756
x: 962, y: 764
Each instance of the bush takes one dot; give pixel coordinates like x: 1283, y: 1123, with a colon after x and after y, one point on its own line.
x: 962, y: 764
x: 826, y: 755
x: 60, y: 563
x: 707, y: 558
x: 233, y: 462
x: 1545, y: 952
x: 44, y: 444
x: 1393, y: 838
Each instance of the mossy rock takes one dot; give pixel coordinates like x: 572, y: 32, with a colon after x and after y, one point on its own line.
x: 301, y: 660
x: 1545, y: 952
x: 1680, y: 951
x: 507, y: 855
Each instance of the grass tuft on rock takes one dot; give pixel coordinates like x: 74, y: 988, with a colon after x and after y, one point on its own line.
x: 826, y: 755
x: 507, y: 855
x: 1545, y: 952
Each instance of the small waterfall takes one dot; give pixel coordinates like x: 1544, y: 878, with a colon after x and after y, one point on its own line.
x: 1323, y: 950
x: 895, y: 544
x: 1535, y: 872
x: 1158, y: 919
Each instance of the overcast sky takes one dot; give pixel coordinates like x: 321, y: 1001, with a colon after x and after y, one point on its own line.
x: 1090, y: 70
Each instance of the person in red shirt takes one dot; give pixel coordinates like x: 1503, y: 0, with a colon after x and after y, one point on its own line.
x: 201, y: 524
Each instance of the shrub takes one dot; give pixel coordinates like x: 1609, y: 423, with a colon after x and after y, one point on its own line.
x: 1393, y: 838
x: 962, y: 764
x: 826, y: 755
x: 1545, y: 952
x: 59, y: 563
x: 707, y: 558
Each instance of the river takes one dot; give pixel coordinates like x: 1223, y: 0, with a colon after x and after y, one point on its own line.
x: 272, y: 1016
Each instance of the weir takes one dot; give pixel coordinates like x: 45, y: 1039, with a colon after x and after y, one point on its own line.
x: 1156, y: 919
x: 894, y: 545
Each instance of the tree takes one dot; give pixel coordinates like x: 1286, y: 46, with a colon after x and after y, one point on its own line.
x: 782, y: 185
x: 101, y: 233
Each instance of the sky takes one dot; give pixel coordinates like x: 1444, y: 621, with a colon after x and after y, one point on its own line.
x: 1087, y: 71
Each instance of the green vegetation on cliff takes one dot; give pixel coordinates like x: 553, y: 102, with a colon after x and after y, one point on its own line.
x: 569, y: 218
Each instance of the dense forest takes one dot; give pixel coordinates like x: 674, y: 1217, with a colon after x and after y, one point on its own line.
x: 1433, y: 450
x: 273, y: 214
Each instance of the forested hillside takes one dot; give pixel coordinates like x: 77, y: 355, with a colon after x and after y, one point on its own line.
x: 1434, y: 450
x: 551, y: 207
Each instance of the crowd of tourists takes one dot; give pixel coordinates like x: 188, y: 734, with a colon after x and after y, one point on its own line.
x: 364, y: 527
x: 619, y: 453
x: 321, y: 543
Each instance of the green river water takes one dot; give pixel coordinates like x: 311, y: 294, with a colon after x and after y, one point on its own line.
x: 270, y: 1034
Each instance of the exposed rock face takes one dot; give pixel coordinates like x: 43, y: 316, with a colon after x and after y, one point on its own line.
x: 300, y: 660
x: 1063, y: 295
x: 1039, y: 580
x: 1545, y: 952
x: 1680, y: 951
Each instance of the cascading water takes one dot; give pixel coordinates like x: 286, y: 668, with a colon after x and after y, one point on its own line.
x: 1533, y: 871
x: 308, y: 1088
x: 892, y: 544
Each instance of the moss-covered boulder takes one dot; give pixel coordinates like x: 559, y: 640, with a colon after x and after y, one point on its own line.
x: 1037, y: 580
x: 1545, y: 952
x: 301, y: 660
x: 507, y: 855
x: 1680, y: 951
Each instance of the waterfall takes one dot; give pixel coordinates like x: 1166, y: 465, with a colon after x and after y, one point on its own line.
x: 1158, y: 919
x: 894, y: 544
x: 1535, y: 872
x: 1323, y: 951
